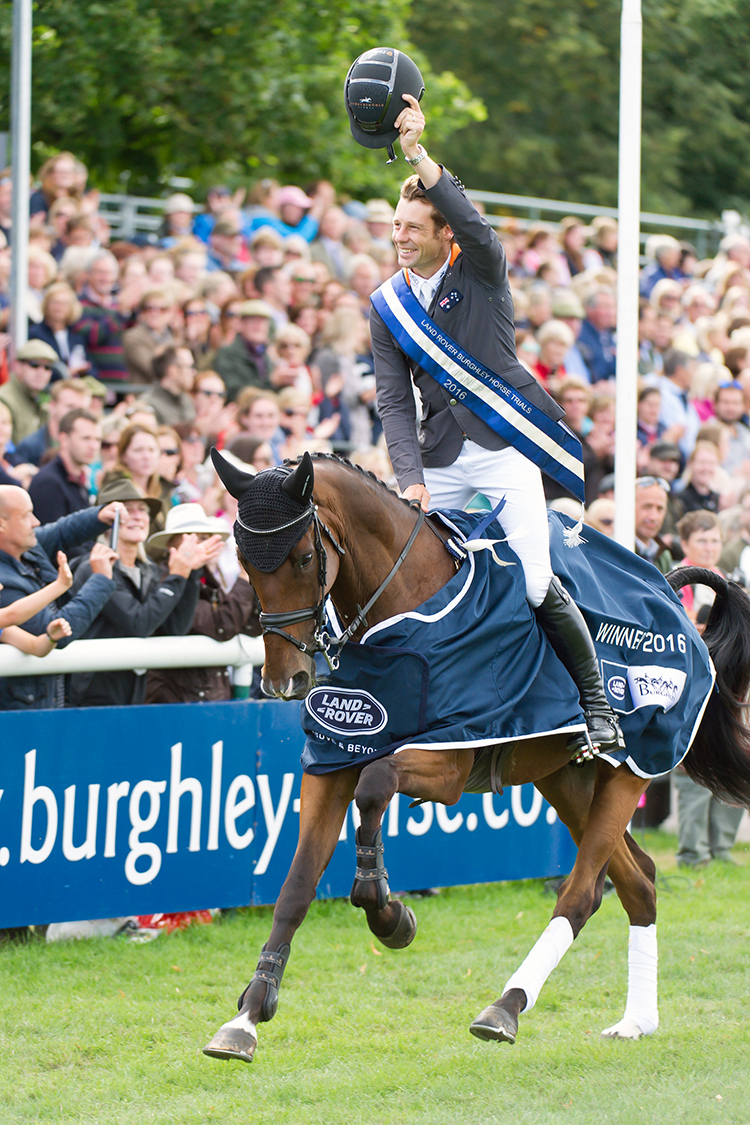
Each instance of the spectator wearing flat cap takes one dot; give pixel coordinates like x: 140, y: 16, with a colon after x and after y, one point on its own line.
x: 245, y: 362
x: 224, y: 246
x: 30, y: 377
x: 221, y: 613
x: 144, y: 600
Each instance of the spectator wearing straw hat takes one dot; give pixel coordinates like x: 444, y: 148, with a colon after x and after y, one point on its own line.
x: 221, y: 613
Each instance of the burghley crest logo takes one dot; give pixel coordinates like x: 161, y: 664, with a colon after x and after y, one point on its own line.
x: 347, y: 710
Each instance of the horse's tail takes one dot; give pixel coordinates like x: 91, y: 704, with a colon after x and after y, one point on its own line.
x: 719, y: 757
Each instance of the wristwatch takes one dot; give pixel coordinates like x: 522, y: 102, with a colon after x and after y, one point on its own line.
x: 416, y: 159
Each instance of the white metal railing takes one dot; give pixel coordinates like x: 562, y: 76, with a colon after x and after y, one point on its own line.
x: 133, y: 214
x: 135, y: 653
x: 704, y: 232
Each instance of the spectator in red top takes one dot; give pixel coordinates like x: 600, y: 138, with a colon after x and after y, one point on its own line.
x: 555, y: 339
x: 106, y: 314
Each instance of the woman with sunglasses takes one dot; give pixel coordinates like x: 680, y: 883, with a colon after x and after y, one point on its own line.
x: 170, y: 459
x: 224, y: 331
x: 197, y: 326
x: 151, y: 333
x: 214, y: 417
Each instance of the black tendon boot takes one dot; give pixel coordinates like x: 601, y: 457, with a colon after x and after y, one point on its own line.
x: 569, y: 636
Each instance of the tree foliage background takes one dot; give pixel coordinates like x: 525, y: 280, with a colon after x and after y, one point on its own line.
x: 548, y: 73
x: 200, y: 88
x: 522, y: 95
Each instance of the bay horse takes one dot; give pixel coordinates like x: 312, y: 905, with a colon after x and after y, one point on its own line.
x: 335, y: 531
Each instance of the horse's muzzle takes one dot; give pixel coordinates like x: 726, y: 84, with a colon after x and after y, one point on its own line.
x: 296, y: 687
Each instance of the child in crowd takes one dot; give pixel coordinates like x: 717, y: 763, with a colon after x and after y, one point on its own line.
x: 19, y: 611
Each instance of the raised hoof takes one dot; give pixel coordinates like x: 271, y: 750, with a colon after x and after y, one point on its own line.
x: 232, y: 1042
x: 625, y: 1029
x: 405, y: 929
x: 495, y: 1025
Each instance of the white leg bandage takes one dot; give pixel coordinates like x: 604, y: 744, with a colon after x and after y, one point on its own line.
x: 543, y: 958
x: 641, y: 1011
x: 642, y: 988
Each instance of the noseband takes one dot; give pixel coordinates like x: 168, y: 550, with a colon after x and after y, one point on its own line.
x: 322, y: 641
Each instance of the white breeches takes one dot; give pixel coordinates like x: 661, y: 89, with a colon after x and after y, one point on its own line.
x: 498, y: 474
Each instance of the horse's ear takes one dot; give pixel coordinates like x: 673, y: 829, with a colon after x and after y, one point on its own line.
x: 299, y: 484
x: 234, y: 480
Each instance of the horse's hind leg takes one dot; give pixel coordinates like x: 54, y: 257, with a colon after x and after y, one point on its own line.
x: 596, y: 806
x: 634, y: 876
x: 431, y: 776
x: 323, y: 805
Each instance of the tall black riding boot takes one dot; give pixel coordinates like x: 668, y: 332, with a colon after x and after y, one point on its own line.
x: 569, y: 636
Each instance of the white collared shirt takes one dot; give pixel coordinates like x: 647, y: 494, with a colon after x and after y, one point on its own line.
x: 424, y: 288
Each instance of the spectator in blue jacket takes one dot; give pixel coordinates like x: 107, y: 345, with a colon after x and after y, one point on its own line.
x: 27, y: 552
x: 667, y: 254
x: 596, y: 342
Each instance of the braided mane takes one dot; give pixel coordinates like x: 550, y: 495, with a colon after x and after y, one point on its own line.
x: 339, y: 459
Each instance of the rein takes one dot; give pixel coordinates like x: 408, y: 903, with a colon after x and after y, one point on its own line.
x: 322, y: 641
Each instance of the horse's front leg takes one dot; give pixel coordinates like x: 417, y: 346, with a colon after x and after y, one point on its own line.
x: 428, y: 775
x: 602, y: 818
x: 323, y: 804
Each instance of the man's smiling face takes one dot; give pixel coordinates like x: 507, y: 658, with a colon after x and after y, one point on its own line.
x: 419, y: 245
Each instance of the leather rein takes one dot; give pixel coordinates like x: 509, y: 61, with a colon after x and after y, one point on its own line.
x: 322, y: 640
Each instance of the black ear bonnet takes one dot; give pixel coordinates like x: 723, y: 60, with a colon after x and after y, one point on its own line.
x: 275, y: 509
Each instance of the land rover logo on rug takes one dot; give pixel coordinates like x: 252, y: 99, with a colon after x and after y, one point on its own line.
x: 346, y: 710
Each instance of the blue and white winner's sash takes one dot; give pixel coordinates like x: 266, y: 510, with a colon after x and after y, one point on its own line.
x: 549, y: 444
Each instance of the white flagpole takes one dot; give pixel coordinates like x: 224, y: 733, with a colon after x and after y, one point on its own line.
x: 21, y: 165
x: 628, y: 251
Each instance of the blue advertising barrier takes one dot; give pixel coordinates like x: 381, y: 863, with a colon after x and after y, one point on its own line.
x: 134, y: 810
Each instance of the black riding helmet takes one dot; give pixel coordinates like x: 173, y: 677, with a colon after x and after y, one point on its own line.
x: 372, y: 95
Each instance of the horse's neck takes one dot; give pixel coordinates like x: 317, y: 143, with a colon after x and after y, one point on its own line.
x: 376, y: 530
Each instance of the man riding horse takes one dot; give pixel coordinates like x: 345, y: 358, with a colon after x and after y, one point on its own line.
x: 455, y: 266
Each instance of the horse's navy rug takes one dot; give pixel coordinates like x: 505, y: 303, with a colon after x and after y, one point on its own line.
x: 471, y: 667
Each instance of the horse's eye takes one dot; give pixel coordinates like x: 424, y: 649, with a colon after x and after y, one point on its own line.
x: 305, y: 560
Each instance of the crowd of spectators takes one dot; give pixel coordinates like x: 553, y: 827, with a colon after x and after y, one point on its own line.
x: 244, y: 324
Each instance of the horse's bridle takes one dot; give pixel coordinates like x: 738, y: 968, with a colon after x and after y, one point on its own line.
x: 322, y: 640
